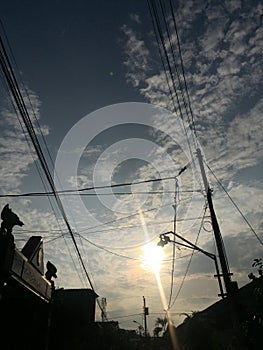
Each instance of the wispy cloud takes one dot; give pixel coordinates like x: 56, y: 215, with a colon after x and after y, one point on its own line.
x: 224, y: 70
x: 222, y: 51
x: 17, y: 152
x: 221, y: 46
x: 137, y: 57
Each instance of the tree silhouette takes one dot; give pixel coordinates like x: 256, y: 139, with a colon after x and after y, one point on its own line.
x: 257, y: 262
x: 160, y: 326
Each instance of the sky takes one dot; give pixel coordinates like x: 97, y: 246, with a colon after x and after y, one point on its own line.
x: 95, y: 86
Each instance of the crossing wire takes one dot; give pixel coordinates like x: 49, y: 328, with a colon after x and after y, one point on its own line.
x: 167, y: 64
x: 235, y: 205
x: 164, y: 42
x: 74, y: 191
x: 23, y: 129
x: 19, y: 102
x: 190, y: 260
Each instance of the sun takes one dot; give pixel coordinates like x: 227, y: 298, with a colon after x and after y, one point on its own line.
x: 152, y: 257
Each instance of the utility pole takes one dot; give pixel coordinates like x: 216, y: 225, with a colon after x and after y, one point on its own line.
x: 230, y: 286
x: 103, y: 310
x: 218, y: 237
x: 145, y: 314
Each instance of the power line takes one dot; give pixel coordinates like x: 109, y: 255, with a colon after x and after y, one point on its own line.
x: 166, y: 52
x: 190, y: 260
x: 181, y: 90
x: 163, y: 50
x: 20, y: 104
x: 67, y: 191
x: 48, y: 194
x: 182, y: 67
x: 176, y: 191
x: 117, y: 317
x: 107, y: 250
x: 148, y: 224
x: 21, y: 231
x: 21, y: 125
x: 112, y: 221
x: 235, y: 205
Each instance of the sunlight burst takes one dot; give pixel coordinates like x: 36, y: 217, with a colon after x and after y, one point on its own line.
x: 152, y: 257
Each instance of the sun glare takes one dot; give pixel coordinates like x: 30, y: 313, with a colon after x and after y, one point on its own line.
x: 152, y: 257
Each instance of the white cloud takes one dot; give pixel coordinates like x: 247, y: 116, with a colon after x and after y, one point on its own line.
x: 223, y: 65
x: 137, y: 57
x: 135, y: 17
x: 223, y: 62
x: 17, y: 155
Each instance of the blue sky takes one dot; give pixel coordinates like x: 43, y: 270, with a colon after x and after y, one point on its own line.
x: 93, y: 73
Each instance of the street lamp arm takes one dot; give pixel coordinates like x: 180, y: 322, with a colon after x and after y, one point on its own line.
x: 165, y: 239
x: 182, y: 244
x: 190, y: 244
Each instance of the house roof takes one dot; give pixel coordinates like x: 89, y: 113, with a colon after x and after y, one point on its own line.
x: 249, y: 299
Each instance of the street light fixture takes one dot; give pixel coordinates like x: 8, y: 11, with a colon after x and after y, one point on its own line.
x: 165, y: 239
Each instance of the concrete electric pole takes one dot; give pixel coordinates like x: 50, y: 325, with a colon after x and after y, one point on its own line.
x: 145, y: 314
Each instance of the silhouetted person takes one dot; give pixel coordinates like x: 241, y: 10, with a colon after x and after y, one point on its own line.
x: 10, y: 219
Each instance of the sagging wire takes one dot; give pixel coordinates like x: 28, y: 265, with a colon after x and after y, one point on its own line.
x: 175, y: 205
x: 235, y: 205
x: 191, y: 257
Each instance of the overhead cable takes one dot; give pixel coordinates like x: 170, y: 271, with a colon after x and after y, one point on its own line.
x: 190, y: 260
x: 19, y: 101
x: 163, y: 50
x: 235, y: 205
x: 96, y: 187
